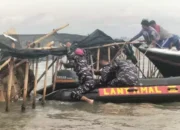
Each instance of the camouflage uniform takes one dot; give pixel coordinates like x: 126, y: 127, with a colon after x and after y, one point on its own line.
x: 106, y: 74
x: 126, y: 74
x: 79, y: 63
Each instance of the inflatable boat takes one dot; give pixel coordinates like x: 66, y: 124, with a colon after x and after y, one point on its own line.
x: 148, y: 90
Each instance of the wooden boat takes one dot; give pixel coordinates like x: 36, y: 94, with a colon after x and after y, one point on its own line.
x: 167, y: 61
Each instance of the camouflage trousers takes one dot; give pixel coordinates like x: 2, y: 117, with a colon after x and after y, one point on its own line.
x: 86, y: 87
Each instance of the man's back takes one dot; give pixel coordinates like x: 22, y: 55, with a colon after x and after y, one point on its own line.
x: 164, y: 34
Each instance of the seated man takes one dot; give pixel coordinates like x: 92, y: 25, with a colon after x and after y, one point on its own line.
x: 151, y: 36
x: 167, y: 40
x: 121, y: 74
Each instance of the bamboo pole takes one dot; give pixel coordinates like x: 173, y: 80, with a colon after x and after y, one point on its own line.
x: 109, y: 54
x: 55, y: 74
x: 42, y: 38
x: 50, y: 44
x: 92, y: 64
x: 143, y: 63
x: 35, y: 85
x: 8, y: 93
x: 45, y: 81
x: 139, y: 57
x: 5, y: 63
x: 98, y: 56
x: 47, y: 35
x: 23, y: 107
x: 45, y: 70
x: 53, y: 58
x: 33, y: 65
x: 107, y: 45
x: 9, y: 84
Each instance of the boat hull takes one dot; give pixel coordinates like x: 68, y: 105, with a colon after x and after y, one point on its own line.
x: 153, y: 94
x: 148, y: 90
x: 167, y: 61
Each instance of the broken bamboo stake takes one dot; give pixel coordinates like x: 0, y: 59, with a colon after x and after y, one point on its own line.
x: 53, y: 65
x: 47, y: 35
x: 45, y: 81
x: 42, y: 38
x: 8, y: 92
x: 50, y: 44
x: 9, y: 84
x: 98, y: 56
x: 23, y: 107
x: 5, y: 63
x: 92, y: 64
x: 55, y: 74
x: 33, y: 65
x: 35, y: 85
x: 109, y: 54
x: 45, y: 70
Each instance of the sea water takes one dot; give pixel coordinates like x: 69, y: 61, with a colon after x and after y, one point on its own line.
x: 56, y: 115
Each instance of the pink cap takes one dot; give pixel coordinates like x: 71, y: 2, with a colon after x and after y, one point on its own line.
x: 79, y: 51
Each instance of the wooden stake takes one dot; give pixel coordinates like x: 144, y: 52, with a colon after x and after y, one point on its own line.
x: 143, y: 62
x: 23, y: 107
x: 45, y: 70
x: 8, y: 93
x: 52, y: 66
x: 109, y: 54
x: 9, y: 84
x: 47, y: 35
x: 92, y: 64
x: 35, y: 85
x: 33, y: 65
x: 45, y: 81
x: 98, y: 55
x: 5, y: 63
x: 55, y: 74
x: 139, y: 54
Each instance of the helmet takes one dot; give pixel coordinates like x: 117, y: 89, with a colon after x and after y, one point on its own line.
x: 79, y: 51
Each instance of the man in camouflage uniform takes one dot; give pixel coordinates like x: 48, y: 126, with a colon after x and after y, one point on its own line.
x: 121, y: 73
x: 83, y: 72
x: 106, y: 74
x: 126, y: 73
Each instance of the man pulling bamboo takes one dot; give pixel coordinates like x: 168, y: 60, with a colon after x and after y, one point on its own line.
x: 84, y: 73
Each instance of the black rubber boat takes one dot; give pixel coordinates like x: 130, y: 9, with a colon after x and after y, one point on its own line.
x: 148, y: 90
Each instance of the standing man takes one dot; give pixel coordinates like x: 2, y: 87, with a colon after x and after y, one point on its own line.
x: 150, y: 35
x: 167, y: 40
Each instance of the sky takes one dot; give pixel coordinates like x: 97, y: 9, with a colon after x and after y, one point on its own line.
x: 117, y: 18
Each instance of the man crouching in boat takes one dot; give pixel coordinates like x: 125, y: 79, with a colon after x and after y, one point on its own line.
x: 121, y: 73
x: 83, y: 72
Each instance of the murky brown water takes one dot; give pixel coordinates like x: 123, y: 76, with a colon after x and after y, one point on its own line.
x: 82, y: 116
